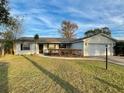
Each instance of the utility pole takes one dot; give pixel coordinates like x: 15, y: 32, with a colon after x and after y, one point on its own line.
x: 106, y: 57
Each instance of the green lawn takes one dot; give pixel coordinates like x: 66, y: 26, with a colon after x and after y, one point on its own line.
x: 33, y: 74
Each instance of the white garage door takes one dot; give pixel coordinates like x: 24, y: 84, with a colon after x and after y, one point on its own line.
x: 97, y: 50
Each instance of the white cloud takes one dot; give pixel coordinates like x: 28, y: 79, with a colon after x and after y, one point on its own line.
x: 117, y: 20
x: 88, y: 14
x: 119, y: 38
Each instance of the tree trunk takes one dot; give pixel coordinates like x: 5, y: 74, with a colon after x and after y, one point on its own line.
x: 2, y: 49
x: 13, y: 50
x: 3, y: 52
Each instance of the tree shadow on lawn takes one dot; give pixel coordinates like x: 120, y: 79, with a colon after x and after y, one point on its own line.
x: 64, y: 84
x: 109, y: 84
x: 4, y: 77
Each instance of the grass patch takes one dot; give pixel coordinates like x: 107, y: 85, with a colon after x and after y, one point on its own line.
x: 33, y: 74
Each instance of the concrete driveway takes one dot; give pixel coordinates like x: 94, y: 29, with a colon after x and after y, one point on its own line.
x: 113, y: 59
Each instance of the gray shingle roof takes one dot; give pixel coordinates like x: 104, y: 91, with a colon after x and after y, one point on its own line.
x: 45, y: 40
x: 59, y: 40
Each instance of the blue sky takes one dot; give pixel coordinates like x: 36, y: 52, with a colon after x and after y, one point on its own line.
x: 44, y: 17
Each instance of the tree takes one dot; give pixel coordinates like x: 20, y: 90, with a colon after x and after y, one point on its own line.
x: 8, y: 47
x: 12, y: 32
x: 4, y: 12
x: 36, y: 39
x: 68, y: 29
x: 104, y: 30
x: 15, y: 27
x: 119, y: 48
x: 9, y: 26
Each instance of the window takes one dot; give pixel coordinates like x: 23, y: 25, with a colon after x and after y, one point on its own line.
x: 62, y: 46
x: 25, y: 46
x: 51, y: 46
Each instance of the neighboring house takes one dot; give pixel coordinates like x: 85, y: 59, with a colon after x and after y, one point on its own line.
x: 91, y: 46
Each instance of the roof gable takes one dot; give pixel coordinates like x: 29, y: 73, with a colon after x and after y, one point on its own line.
x: 101, y: 35
x: 82, y: 39
x: 101, y: 39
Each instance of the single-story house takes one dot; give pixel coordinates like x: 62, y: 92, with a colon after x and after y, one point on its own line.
x: 94, y: 45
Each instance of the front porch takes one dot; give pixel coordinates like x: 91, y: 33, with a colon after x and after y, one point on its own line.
x: 62, y: 49
x: 67, y: 52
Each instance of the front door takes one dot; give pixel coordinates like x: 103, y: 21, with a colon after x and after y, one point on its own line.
x: 40, y: 48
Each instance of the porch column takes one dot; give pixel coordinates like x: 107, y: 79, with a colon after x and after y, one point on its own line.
x: 37, y: 48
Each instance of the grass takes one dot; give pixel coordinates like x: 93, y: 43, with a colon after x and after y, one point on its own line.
x: 33, y: 74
